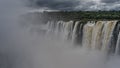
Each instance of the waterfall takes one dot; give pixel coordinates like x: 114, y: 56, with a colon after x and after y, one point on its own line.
x: 92, y: 34
x: 97, y: 35
x: 107, y: 33
x: 68, y: 30
x: 87, y: 34
x: 75, y: 32
x: 117, y: 51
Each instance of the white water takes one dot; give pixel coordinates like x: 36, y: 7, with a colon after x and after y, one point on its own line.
x: 41, y: 46
x: 52, y: 52
x: 95, y: 35
x: 75, y: 32
x: 118, y: 45
x: 87, y: 34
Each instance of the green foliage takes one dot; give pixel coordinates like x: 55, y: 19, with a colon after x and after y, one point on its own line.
x: 82, y: 15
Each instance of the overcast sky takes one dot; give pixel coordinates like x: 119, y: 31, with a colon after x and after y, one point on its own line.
x: 76, y: 4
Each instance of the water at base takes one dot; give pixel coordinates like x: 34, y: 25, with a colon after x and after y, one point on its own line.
x: 53, y: 49
x: 56, y: 53
x: 53, y: 45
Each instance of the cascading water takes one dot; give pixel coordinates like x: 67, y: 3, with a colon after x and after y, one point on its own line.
x: 107, y: 34
x: 76, y: 32
x: 51, y: 46
x: 93, y: 35
x: 97, y: 35
x: 117, y: 51
x: 75, y: 44
x: 87, y: 34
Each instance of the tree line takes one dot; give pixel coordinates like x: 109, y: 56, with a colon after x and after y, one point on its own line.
x: 81, y: 15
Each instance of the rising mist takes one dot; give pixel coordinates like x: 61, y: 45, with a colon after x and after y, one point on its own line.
x: 21, y: 47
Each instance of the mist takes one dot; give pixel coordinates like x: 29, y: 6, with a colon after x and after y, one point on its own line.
x: 22, y: 48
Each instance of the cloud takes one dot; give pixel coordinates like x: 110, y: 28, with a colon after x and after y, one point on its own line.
x: 109, y: 1
x: 76, y: 4
x: 54, y: 4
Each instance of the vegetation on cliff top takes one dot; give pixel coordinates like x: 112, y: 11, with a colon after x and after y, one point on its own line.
x: 84, y: 16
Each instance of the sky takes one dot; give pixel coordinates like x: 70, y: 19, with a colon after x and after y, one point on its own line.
x: 19, y: 49
x: 87, y: 5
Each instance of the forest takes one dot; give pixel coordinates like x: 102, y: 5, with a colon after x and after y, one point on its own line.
x: 82, y: 16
